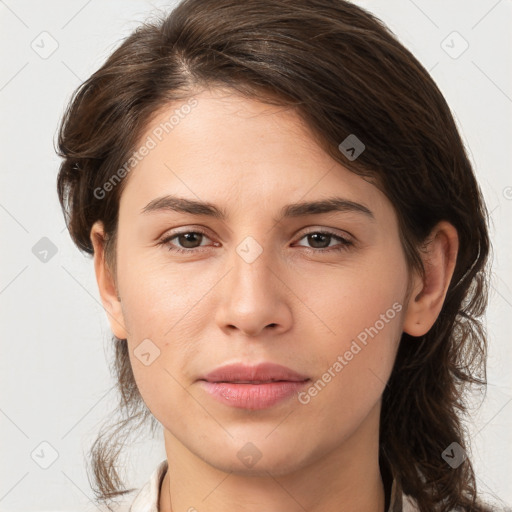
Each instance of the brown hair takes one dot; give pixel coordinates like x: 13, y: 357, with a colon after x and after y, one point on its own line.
x: 344, y: 72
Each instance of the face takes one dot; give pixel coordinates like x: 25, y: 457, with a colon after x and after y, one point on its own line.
x: 319, y: 291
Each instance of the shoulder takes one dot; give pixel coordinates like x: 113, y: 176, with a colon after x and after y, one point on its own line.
x: 142, y: 499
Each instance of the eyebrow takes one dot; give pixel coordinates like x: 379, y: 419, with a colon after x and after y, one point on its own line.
x: 193, y: 207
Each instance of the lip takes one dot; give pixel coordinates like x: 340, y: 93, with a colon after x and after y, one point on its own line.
x: 259, y: 373
x: 252, y: 387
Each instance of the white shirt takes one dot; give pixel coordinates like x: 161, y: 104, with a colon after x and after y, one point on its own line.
x: 148, y: 496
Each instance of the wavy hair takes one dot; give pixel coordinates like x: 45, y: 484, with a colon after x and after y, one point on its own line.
x: 344, y: 72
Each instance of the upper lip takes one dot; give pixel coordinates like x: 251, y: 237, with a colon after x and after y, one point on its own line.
x: 262, y: 372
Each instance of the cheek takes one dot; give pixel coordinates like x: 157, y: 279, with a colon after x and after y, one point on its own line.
x: 163, y: 312
x: 161, y: 388
x: 353, y: 369
x: 349, y: 300
x: 156, y: 295
x: 363, y: 310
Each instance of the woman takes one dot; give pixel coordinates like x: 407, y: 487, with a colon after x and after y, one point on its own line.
x: 291, y: 247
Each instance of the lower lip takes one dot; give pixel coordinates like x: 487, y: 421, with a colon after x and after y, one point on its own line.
x: 252, y: 396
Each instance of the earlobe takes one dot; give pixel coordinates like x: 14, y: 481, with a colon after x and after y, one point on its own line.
x: 427, y: 295
x: 106, y: 283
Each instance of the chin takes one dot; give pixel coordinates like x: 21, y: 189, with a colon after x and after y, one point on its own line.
x: 259, y: 459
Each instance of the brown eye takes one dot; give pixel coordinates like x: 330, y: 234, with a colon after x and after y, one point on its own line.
x: 321, y: 240
x: 318, y: 240
x: 189, y: 240
x: 185, y: 242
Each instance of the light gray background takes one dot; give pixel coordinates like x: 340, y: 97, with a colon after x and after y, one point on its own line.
x: 55, y: 337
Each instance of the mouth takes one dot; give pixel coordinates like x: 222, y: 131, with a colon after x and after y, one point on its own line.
x: 254, y: 382
x: 263, y: 373
x: 253, y: 395
x: 253, y: 387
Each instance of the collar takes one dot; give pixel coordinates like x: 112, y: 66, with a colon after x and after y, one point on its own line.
x: 148, y: 497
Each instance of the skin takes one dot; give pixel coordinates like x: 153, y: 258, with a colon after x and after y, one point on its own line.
x: 211, y: 307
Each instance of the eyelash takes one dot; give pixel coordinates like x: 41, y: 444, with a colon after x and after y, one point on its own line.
x: 345, y: 244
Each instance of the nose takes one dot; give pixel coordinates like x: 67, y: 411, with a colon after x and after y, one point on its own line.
x: 254, y: 295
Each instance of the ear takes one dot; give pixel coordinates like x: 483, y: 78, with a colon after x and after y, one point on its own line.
x: 106, y: 283
x: 427, y: 295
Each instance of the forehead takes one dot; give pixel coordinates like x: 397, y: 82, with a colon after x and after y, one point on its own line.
x: 226, y: 148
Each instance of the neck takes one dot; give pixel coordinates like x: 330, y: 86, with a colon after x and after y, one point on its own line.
x: 340, y: 479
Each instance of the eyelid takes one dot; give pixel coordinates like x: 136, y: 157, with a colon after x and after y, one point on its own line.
x: 169, y: 235
x: 328, y: 231
x: 180, y: 231
x: 345, y: 240
x: 310, y: 229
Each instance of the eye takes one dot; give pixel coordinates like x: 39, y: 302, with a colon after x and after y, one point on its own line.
x: 187, y: 239
x: 190, y: 241
x: 321, y: 241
